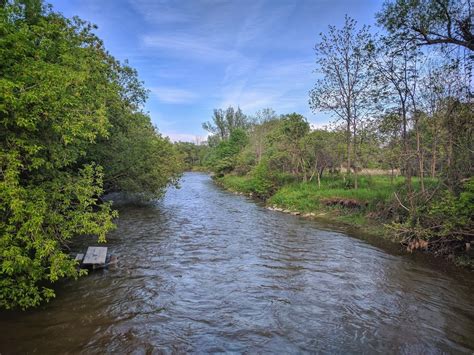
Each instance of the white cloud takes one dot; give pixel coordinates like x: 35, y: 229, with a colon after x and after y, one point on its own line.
x: 173, y: 95
x: 185, y: 137
x: 319, y: 125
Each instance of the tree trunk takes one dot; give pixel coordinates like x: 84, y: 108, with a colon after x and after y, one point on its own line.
x: 348, y: 171
x: 354, y: 148
x: 406, y: 149
x: 434, y: 150
x: 433, y: 160
x: 419, y: 154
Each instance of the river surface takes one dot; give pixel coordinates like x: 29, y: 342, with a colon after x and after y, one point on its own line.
x: 205, y: 270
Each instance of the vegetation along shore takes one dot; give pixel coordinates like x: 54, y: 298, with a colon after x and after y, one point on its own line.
x: 402, y: 106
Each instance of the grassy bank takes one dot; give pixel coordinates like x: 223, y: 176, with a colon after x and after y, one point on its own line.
x: 371, y: 208
x: 367, y: 207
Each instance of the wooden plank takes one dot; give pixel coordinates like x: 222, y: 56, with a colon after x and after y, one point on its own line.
x: 79, y: 257
x: 95, y: 255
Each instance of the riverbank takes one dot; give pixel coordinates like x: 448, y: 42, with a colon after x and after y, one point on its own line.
x: 331, y: 202
x: 370, y: 208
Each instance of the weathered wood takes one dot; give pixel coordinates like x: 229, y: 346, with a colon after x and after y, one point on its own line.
x: 79, y: 257
x: 95, y: 256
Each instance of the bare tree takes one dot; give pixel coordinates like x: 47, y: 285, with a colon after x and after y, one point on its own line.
x: 344, y: 58
x: 397, y: 67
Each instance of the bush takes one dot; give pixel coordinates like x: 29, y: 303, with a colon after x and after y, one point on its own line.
x: 263, y: 186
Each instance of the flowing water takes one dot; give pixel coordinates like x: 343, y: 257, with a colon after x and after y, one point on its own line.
x: 204, y: 270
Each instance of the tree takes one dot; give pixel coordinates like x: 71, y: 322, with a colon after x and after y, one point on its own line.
x: 398, y: 67
x: 430, y: 22
x: 264, y: 115
x: 222, y: 159
x: 192, y: 153
x: 285, y: 152
x: 262, y: 125
x: 72, y: 129
x: 388, y: 129
x: 135, y: 157
x: 319, y: 153
x: 137, y: 160
x: 344, y: 58
x: 54, y: 88
x: 224, y: 122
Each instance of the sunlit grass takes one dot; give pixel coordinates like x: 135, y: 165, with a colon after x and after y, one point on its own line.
x: 237, y: 183
x: 372, y: 193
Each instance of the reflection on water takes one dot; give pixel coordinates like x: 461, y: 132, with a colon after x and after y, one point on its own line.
x: 208, y: 271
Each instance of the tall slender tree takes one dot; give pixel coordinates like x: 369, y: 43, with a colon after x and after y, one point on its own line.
x: 344, y: 59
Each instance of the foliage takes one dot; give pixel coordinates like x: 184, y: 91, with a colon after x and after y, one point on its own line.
x: 224, y: 122
x: 456, y: 212
x: 347, y: 87
x: 52, y: 109
x: 137, y: 160
x: 319, y: 153
x: 193, y: 155
x: 430, y: 22
x: 71, y: 130
x: 222, y: 158
x: 444, y: 224
x: 263, y: 181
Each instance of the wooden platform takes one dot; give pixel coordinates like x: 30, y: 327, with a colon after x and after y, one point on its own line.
x: 95, y: 256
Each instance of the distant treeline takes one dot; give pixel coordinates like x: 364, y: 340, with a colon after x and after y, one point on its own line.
x: 72, y: 130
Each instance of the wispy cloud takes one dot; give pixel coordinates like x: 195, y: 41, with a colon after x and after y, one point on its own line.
x: 190, y: 46
x: 160, y: 12
x: 173, y: 95
x: 282, y: 85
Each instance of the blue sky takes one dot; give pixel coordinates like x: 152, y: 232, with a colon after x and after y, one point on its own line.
x: 197, y: 55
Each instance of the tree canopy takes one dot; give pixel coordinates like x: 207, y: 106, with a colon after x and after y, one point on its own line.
x: 430, y: 22
x: 72, y: 129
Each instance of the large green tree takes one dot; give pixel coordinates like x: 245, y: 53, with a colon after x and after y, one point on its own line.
x: 71, y: 122
x: 53, y: 91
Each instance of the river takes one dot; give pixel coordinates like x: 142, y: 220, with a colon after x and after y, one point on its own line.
x: 204, y: 270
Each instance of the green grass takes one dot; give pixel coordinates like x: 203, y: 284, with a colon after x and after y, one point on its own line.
x: 307, y: 197
x: 374, y: 193
x: 237, y: 183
